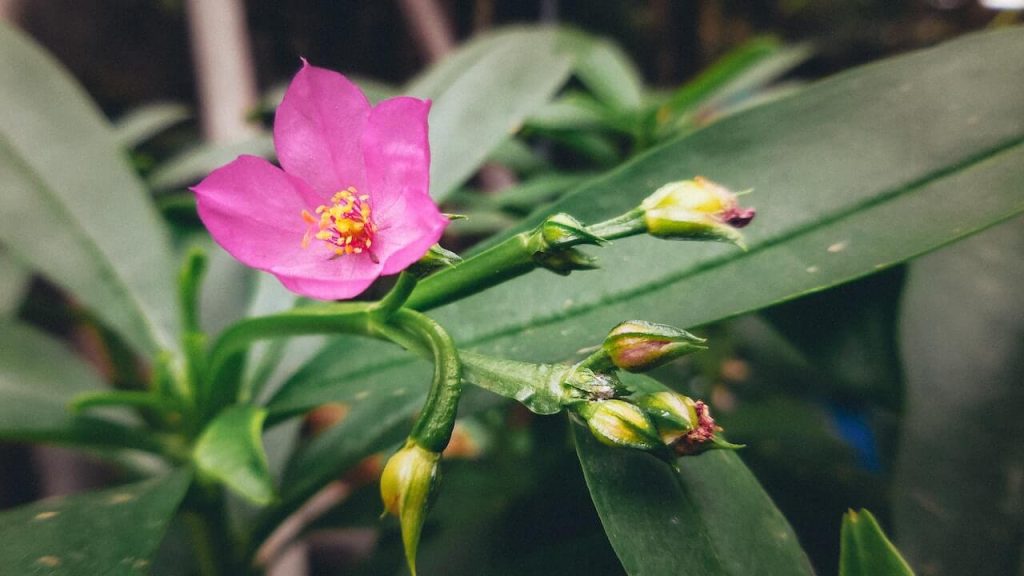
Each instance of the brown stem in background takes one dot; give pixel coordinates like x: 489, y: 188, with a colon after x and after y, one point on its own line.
x: 429, y: 27
x: 225, y: 77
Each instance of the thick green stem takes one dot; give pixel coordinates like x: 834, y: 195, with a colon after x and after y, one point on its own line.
x: 434, y: 427
x: 511, y: 258
x: 516, y: 256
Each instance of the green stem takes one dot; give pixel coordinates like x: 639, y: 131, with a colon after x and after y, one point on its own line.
x: 629, y: 224
x: 511, y: 258
x: 394, y: 299
x: 433, y: 429
x: 221, y: 390
x: 133, y: 398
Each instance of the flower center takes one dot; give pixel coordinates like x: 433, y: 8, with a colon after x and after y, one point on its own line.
x: 345, y: 225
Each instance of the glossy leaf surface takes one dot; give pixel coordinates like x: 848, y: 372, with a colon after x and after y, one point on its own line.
x: 113, y: 532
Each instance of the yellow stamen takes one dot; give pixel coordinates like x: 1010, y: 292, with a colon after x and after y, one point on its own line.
x: 345, y: 225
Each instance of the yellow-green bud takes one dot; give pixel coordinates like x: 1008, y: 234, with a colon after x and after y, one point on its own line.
x: 619, y: 423
x: 406, y: 486
x: 695, y: 209
x: 673, y: 413
x: 638, y: 346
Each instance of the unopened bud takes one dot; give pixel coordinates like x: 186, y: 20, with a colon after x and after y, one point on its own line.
x: 674, y: 414
x: 406, y: 486
x: 638, y: 346
x: 619, y: 423
x: 695, y: 209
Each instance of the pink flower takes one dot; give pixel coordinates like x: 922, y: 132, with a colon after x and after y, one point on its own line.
x: 352, y: 201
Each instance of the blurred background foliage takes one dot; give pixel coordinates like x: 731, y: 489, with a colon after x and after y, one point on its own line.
x: 817, y: 388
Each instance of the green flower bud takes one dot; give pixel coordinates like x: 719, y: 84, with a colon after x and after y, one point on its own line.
x: 406, y: 486
x: 619, y: 423
x: 695, y: 209
x: 638, y: 346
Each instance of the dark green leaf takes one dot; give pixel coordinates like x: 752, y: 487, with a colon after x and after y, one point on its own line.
x: 852, y: 175
x: 231, y: 450
x: 865, y: 551
x: 962, y: 339
x: 113, y: 532
x: 147, y: 121
x: 72, y: 207
x: 482, y: 94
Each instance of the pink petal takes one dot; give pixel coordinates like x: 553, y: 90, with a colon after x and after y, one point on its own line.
x: 253, y: 209
x: 317, y: 130
x: 397, y: 155
x: 329, y: 278
x: 396, y: 150
x: 409, y: 227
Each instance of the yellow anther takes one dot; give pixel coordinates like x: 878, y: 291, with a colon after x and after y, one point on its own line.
x: 344, y: 224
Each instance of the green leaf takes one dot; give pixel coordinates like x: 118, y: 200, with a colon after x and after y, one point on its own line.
x: 710, y: 517
x: 113, y: 532
x: 865, y: 551
x: 72, y: 207
x: 145, y: 122
x: 231, y: 451
x: 38, y: 378
x: 14, y: 279
x: 190, y: 166
x: 483, y: 93
x: 744, y: 69
x: 610, y: 74
x: 961, y: 334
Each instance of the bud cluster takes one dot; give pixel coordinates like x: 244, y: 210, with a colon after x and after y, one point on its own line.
x: 665, y: 422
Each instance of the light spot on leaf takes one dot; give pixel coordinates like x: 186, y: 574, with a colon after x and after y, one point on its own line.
x: 361, y: 395
x: 838, y: 247
x: 120, y: 498
x: 48, y: 561
x: 46, y: 515
x: 811, y: 269
x: 398, y: 392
